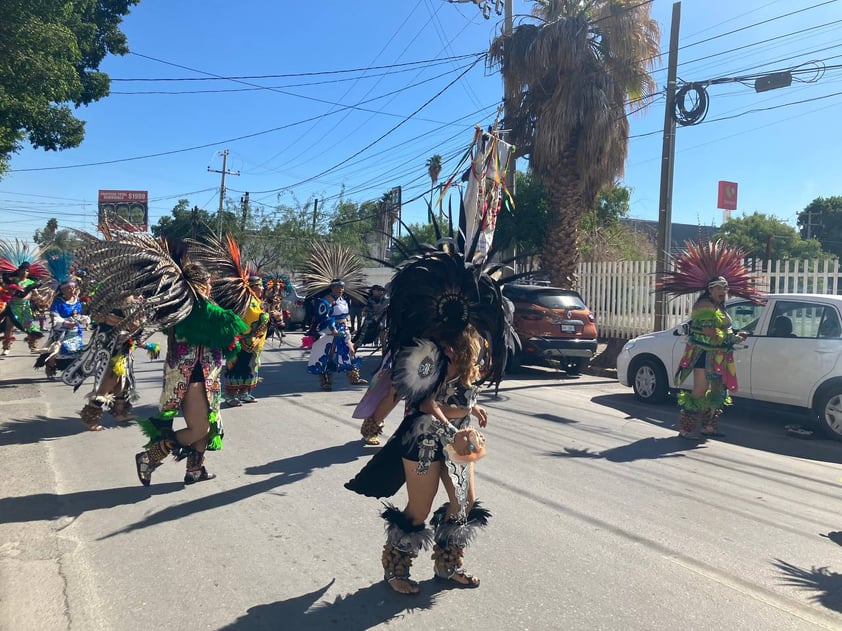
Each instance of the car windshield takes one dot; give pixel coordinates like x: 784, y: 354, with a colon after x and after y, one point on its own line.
x: 559, y: 301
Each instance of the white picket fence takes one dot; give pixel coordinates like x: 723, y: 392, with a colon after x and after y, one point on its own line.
x: 621, y: 294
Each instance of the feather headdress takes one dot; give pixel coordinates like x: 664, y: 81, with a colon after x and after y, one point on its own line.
x: 59, y: 264
x: 13, y: 255
x: 230, y: 285
x: 135, y: 265
x: 436, y: 294
x: 699, y: 263
x: 329, y: 262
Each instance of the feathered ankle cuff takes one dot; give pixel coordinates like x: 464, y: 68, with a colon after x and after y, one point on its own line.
x: 459, y: 532
x: 402, y: 534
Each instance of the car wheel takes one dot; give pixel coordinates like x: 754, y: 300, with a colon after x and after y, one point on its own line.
x: 575, y: 366
x: 829, y: 409
x: 649, y: 380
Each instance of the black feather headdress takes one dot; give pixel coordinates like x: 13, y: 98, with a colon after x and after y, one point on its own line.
x: 437, y: 293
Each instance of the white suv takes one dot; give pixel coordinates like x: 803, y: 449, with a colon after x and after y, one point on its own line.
x: 792, y: 355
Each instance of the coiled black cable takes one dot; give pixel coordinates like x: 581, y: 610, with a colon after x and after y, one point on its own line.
x: 691, y: 104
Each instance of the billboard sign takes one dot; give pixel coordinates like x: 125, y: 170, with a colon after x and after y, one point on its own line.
x: 130, y: 206
x: 727, y: 198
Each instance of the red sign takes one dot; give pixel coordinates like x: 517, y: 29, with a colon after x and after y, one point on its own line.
x: 130, y: 206
x: 727, y: 199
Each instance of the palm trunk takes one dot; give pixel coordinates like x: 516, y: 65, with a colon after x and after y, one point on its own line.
x: 560, y: 256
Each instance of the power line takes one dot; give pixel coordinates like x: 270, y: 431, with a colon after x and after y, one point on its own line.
x: 436, y: 61
x: 374, y: 142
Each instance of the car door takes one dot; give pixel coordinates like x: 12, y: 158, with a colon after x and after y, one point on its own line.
x: 746, y: 317
x: 793, y: 353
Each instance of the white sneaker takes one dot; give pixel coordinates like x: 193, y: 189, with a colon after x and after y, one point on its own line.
x: 5, y: 352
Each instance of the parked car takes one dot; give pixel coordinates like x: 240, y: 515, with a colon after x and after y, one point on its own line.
x: 552, y: 324
x: 295, y: 304
x: 792, y: 356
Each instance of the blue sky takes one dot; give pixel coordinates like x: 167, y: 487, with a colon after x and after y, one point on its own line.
x: 294, y: 137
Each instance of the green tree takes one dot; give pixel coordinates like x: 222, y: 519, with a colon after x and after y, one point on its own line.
x: 433, y: 170
x: 54, y: 237
x: 573, y: 75
x: 50, y: 53
x: 424, y: 233
x: 766, y: 237
x: 603, y: 237
x: 822, y: 220
x: 522, y: 229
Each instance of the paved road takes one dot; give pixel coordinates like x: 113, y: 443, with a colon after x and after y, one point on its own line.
x: 603, y: 518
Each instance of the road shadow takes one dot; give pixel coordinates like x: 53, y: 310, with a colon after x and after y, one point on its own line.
x: 644, y: 449
x: 746, y: 424
x: 39, y: 428
x: 289, y: 377
x: 307, y: 463
x: 51, y: 506
x: 288, y: 470
x: 364, y: 609
x: 835, y: 536
x: 826, y: 585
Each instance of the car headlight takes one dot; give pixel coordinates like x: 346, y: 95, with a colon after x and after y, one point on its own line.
x: 629, y: 345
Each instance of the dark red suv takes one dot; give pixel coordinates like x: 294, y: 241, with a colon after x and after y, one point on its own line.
x: 553, y: 325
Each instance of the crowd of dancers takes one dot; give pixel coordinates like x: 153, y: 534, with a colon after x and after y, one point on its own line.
x: 445, y: 331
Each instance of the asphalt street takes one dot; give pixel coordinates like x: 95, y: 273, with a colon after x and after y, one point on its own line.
x: 603, y: 517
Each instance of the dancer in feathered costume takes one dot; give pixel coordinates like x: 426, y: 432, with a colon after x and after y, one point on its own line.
x: 158, y: 286
x: 109, y: 358
x: 715, y: 270
x: 333, y: 272
x: 448, y: 334
x: 65, y: 340
x: 23, y: 273
x: 235, y: 288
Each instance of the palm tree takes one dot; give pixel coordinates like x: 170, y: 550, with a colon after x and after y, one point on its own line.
x: 573, y: 75
x: 433, y: 170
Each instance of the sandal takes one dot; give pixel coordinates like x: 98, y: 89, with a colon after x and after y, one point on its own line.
x: 93, y: 426
x: 405, y: 586
x: 200, y: 475
x: 471, y: 581
x: 371, y: 440
x: 145, y: 467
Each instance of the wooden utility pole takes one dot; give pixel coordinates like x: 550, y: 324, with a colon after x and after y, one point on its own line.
x: 224, y: 172
x: 667, y: 164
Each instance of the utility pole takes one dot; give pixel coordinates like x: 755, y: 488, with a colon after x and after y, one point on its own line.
x: 244, y: 201
x: 667, y: 164
x: 224, y: 172
x: 315, y: 213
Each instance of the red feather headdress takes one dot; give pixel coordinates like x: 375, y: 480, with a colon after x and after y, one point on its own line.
x: 694, y: 268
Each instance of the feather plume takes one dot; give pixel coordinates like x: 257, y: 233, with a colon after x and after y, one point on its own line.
x: 229, y: 288
x: 436, y: 294
x: 699, y: 262
x: 13, y: 255
x: 59, y: 264
x: 329, y: 261
x: 135, y: 273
